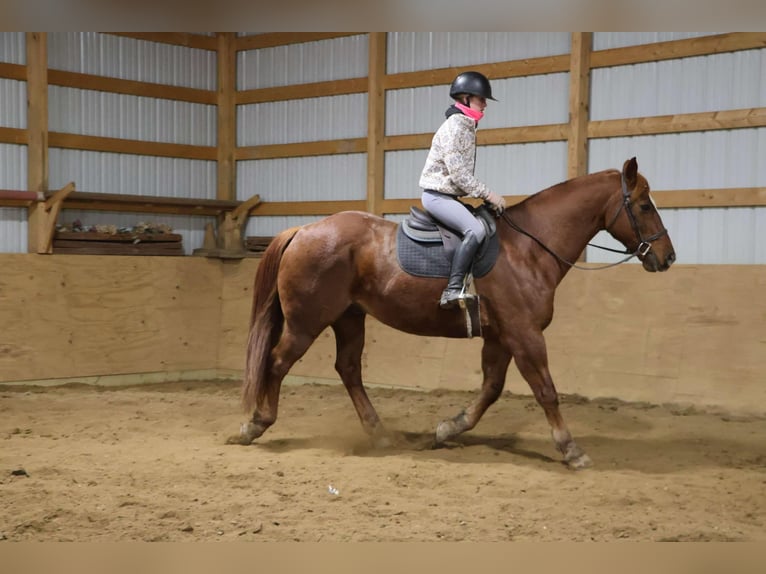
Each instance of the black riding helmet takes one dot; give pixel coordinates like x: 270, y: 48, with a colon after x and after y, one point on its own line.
x: 473, y: 83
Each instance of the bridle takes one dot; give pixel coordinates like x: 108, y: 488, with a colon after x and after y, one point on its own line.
x: 644, y: 243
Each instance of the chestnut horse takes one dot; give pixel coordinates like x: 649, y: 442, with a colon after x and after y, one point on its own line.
x: 335, y: 271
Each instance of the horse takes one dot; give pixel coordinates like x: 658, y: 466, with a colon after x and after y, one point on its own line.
x: 336, y: 271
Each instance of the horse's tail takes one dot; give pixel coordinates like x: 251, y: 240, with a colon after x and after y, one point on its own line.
x: 266, y: 319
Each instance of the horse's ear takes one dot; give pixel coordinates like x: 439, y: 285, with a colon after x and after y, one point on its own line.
x: 630, y: 171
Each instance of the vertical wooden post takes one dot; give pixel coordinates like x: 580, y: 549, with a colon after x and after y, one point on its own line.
x: 579, y: 106
x: 227, y: 116
x: 579, y: 103
x: 376, y: 122
x: 37, y: 132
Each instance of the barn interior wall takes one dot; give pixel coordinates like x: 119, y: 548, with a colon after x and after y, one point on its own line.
x: 622, y: 333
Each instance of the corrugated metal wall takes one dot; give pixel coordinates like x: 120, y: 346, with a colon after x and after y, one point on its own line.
x: 13, y: 158
x: 322, y: 178
x: 88, y: 112
x: 131, y: 59
x: 694, y: 160
x: 516, y: 169
x: 412, y: 51
x: 13, y: 47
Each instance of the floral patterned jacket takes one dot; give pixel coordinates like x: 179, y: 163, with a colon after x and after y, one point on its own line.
x: 452, y: 159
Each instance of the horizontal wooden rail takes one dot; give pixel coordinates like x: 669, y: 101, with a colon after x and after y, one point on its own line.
x: 13, y: 71
x: 13, y: 136
x: 302, y: 91
x: 497, y: 70
x: 703, y: 121
x: 18, y: 198
x: 673, y: 49
x: 130, y: 87
x: 329, y: 147
x: 175, y: 38
x: 93, y: 201
x: 309, y: 207
x: 665, y: 199
x: 134, y: 147
x: 273, y: 39
x: 699, y: 198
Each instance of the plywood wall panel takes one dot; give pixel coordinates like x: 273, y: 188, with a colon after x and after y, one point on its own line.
x: 694, y: 335
x: 78, y: 315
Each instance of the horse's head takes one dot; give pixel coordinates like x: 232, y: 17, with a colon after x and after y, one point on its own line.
x: 636, y: 223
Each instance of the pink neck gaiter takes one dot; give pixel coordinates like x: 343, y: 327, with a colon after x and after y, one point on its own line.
x: 470, y: 112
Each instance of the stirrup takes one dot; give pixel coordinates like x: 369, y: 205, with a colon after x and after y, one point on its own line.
x: 452, y: 297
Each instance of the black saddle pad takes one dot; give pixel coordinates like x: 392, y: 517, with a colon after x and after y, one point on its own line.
x: 427, y: 259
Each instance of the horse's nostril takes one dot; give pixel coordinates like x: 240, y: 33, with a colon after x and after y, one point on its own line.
x: 671, y: 258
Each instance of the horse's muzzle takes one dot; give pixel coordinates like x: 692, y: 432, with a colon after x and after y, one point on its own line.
x: 652, y: 263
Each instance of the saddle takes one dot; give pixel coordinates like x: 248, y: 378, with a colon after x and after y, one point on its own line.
x: 425, y: 246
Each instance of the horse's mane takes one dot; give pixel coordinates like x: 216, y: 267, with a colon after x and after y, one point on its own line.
x: 567, y: 186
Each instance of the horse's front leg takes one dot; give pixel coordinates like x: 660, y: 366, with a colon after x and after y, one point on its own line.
x: 494, y: 364
x: 532, y: 361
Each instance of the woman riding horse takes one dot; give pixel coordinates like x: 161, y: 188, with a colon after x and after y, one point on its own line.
x: 449, y: 174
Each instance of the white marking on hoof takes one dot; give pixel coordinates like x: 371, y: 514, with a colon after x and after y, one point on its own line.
x: 445, y: 430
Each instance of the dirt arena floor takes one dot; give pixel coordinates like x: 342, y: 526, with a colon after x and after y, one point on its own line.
x: 149, y: 463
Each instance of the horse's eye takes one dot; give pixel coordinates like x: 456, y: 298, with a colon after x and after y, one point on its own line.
x: 646, y: 207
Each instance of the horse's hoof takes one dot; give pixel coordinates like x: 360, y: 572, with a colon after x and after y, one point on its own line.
x: 445, y: 430
x: 238, y: 439
x: 580, y: 462
x: 247, y: 433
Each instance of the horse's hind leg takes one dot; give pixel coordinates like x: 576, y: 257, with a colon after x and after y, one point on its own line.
x: 532, y: 362
x: 291, y: 347
x: 494, y: 363
x: 349, y: 340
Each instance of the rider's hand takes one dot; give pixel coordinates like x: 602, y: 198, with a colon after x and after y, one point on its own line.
x: 497, y: 202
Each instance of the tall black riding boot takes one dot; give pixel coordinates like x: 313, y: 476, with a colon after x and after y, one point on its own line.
x: 461, y: 263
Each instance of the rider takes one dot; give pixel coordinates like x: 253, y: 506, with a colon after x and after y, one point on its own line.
x: 449, y: 174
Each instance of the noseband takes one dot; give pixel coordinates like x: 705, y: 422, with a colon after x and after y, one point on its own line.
x: 644, y: 244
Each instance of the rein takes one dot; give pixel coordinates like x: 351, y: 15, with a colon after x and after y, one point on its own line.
x: 644, y: 244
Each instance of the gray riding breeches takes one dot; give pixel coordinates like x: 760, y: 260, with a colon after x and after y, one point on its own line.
x: 453, y: 213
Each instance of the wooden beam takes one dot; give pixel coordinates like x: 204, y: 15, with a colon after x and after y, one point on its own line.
x: 174, y: 38
x: 13, y: 71
x: 523, y: 134
x: 308, y: 207
x: 37, y: 132
x: 702, y: 121
x: 665, y: 199
x: 13, y: 135
x: 376, y: 122
x: 94, y: 201
x: 302, y: 91
x: 134, y: 147
x: 674, y: 49
x: 227, y: 117
x: 130, y: 87
x: 273, y: 39
x: 508, y: 69
x: 699, y: 198
x: 49, y: 210
x: 329, y: 147
x: 493, y: 136
x: 674, y: 199
x: 579, y: 104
